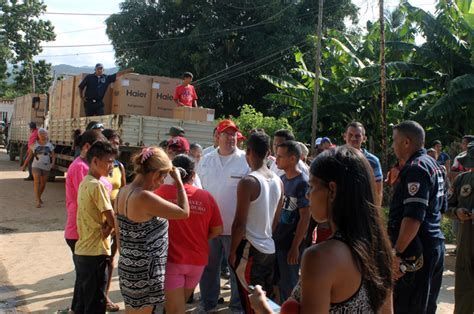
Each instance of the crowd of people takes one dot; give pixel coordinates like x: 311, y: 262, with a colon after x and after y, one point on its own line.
x: 300, y: 231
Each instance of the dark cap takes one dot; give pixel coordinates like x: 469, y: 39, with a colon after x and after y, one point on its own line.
x: 99, y: 65
x: 32, y: 125
x: 178, y: 144
x: 188, y: 74
x: 325, y: 140
x: 467, y: 160
x: 176, y: 131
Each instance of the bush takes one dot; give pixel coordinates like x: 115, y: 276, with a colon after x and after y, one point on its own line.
x: 250, y: 118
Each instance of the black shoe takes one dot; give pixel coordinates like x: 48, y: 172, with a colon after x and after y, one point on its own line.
x: 28, y: 179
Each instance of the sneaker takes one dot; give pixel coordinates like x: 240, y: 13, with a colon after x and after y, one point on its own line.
x: 226, y: 286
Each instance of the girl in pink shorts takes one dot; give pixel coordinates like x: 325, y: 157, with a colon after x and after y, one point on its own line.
x: 188, y: 238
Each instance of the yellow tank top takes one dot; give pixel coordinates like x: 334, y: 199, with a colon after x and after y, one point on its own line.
x: 115, y: 179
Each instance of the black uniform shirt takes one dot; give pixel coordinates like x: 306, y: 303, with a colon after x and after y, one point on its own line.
x: 96, y: 86
x: 420, y: 193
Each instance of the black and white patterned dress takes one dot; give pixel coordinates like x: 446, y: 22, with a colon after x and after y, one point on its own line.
x: 142, y: 261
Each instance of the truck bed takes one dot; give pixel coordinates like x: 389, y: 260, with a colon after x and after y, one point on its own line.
x: 135, y: 131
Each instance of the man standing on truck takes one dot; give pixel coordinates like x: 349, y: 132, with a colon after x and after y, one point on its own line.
x: 93, y: 88
x: 185, y: 95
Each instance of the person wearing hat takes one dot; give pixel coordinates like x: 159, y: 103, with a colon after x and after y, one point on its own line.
x: 220, y: 171
x: 177, y: 145
x: 42, y: 155
x: 93, y: 88
x: 461, y: 209
x: 414, y: 223
x: 31, y: 141
x: 185, y: 94
x: 176, y: 131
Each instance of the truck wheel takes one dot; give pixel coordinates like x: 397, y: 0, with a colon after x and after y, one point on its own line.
x: 12, y: 155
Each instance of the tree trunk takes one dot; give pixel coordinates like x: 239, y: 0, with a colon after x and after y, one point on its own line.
x: 317, y: 75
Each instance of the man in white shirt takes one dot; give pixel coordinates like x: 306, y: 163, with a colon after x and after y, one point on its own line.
x: 220, y: 172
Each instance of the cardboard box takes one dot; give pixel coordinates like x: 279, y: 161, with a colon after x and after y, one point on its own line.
x: 34, y: 107
x: 78, y: 106
x: 57, y: 99
x: 194, y: 114
x: 67, y: 98
x: 162, y: 92
x: 132, y: 95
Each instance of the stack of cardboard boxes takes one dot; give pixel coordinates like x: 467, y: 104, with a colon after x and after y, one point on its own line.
x: 130, y: 94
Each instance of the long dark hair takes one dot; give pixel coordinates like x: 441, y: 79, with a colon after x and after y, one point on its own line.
x: 356, y: 218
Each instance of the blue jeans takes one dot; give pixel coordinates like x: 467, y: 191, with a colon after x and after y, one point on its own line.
x: 289, y: 275
x: 417, y: 292
x: 210, y: 284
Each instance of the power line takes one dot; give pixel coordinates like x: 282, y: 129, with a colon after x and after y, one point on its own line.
x: 78, y: 13
x: 208, y: 80
x: 81, y: 30
x: 266, y: 21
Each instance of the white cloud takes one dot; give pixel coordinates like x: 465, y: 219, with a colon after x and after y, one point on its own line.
x: 64, y: 24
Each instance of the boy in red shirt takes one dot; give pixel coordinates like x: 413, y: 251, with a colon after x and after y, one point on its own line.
x: 185, y: 95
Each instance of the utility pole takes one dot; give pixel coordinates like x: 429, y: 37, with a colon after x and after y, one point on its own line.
x: 383, y: 108
x: 319, y: 31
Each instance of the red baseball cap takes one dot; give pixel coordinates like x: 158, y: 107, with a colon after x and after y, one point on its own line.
x: 226, y: 124
x: 178, y: 143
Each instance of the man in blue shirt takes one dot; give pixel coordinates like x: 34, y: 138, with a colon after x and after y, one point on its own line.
x: 355, y: 137
x: 414, y: 223
x: 294, y: 217
x: 93, y: 88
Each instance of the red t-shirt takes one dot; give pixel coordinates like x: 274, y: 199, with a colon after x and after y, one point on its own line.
x: 188, y: 243
x: 185, y: 95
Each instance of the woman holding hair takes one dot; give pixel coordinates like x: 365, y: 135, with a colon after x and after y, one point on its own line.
x: 188, y: 238
x: 143, y: 230
x: 351, y: 271
x: 44, y: 158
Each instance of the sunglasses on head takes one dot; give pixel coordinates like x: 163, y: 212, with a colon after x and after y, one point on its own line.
x: 97, y: 126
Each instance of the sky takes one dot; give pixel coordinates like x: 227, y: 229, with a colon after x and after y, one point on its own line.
x: 90, y: 29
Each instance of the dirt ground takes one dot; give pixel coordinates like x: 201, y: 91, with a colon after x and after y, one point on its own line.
x: 36, y: 269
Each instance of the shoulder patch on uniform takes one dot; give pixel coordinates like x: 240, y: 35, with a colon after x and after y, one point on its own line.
x: 466, y: 190
x: 413, y: 188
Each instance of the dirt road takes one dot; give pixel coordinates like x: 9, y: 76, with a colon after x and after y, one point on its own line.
x: 36, y: 269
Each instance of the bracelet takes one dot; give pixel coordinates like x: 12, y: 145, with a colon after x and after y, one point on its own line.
x: 181, y: 190
x: 396, y: 253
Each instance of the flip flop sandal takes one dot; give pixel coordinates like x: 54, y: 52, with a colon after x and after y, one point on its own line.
x: 112, y: 307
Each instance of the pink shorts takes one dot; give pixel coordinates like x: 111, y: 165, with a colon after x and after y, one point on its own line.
x: 182, y: 276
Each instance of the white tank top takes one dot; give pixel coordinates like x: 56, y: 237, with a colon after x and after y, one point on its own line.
x: 261, y: 213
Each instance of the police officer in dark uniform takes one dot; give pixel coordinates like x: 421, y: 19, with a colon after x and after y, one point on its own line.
x: 93, y: 88
x: 461, y: 208
x: 414, y: 223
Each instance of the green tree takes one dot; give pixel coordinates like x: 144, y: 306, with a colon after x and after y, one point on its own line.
x: 43, y: 77
x: 226, y: 44
x: 22, y: 31
x: 249, y: 119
